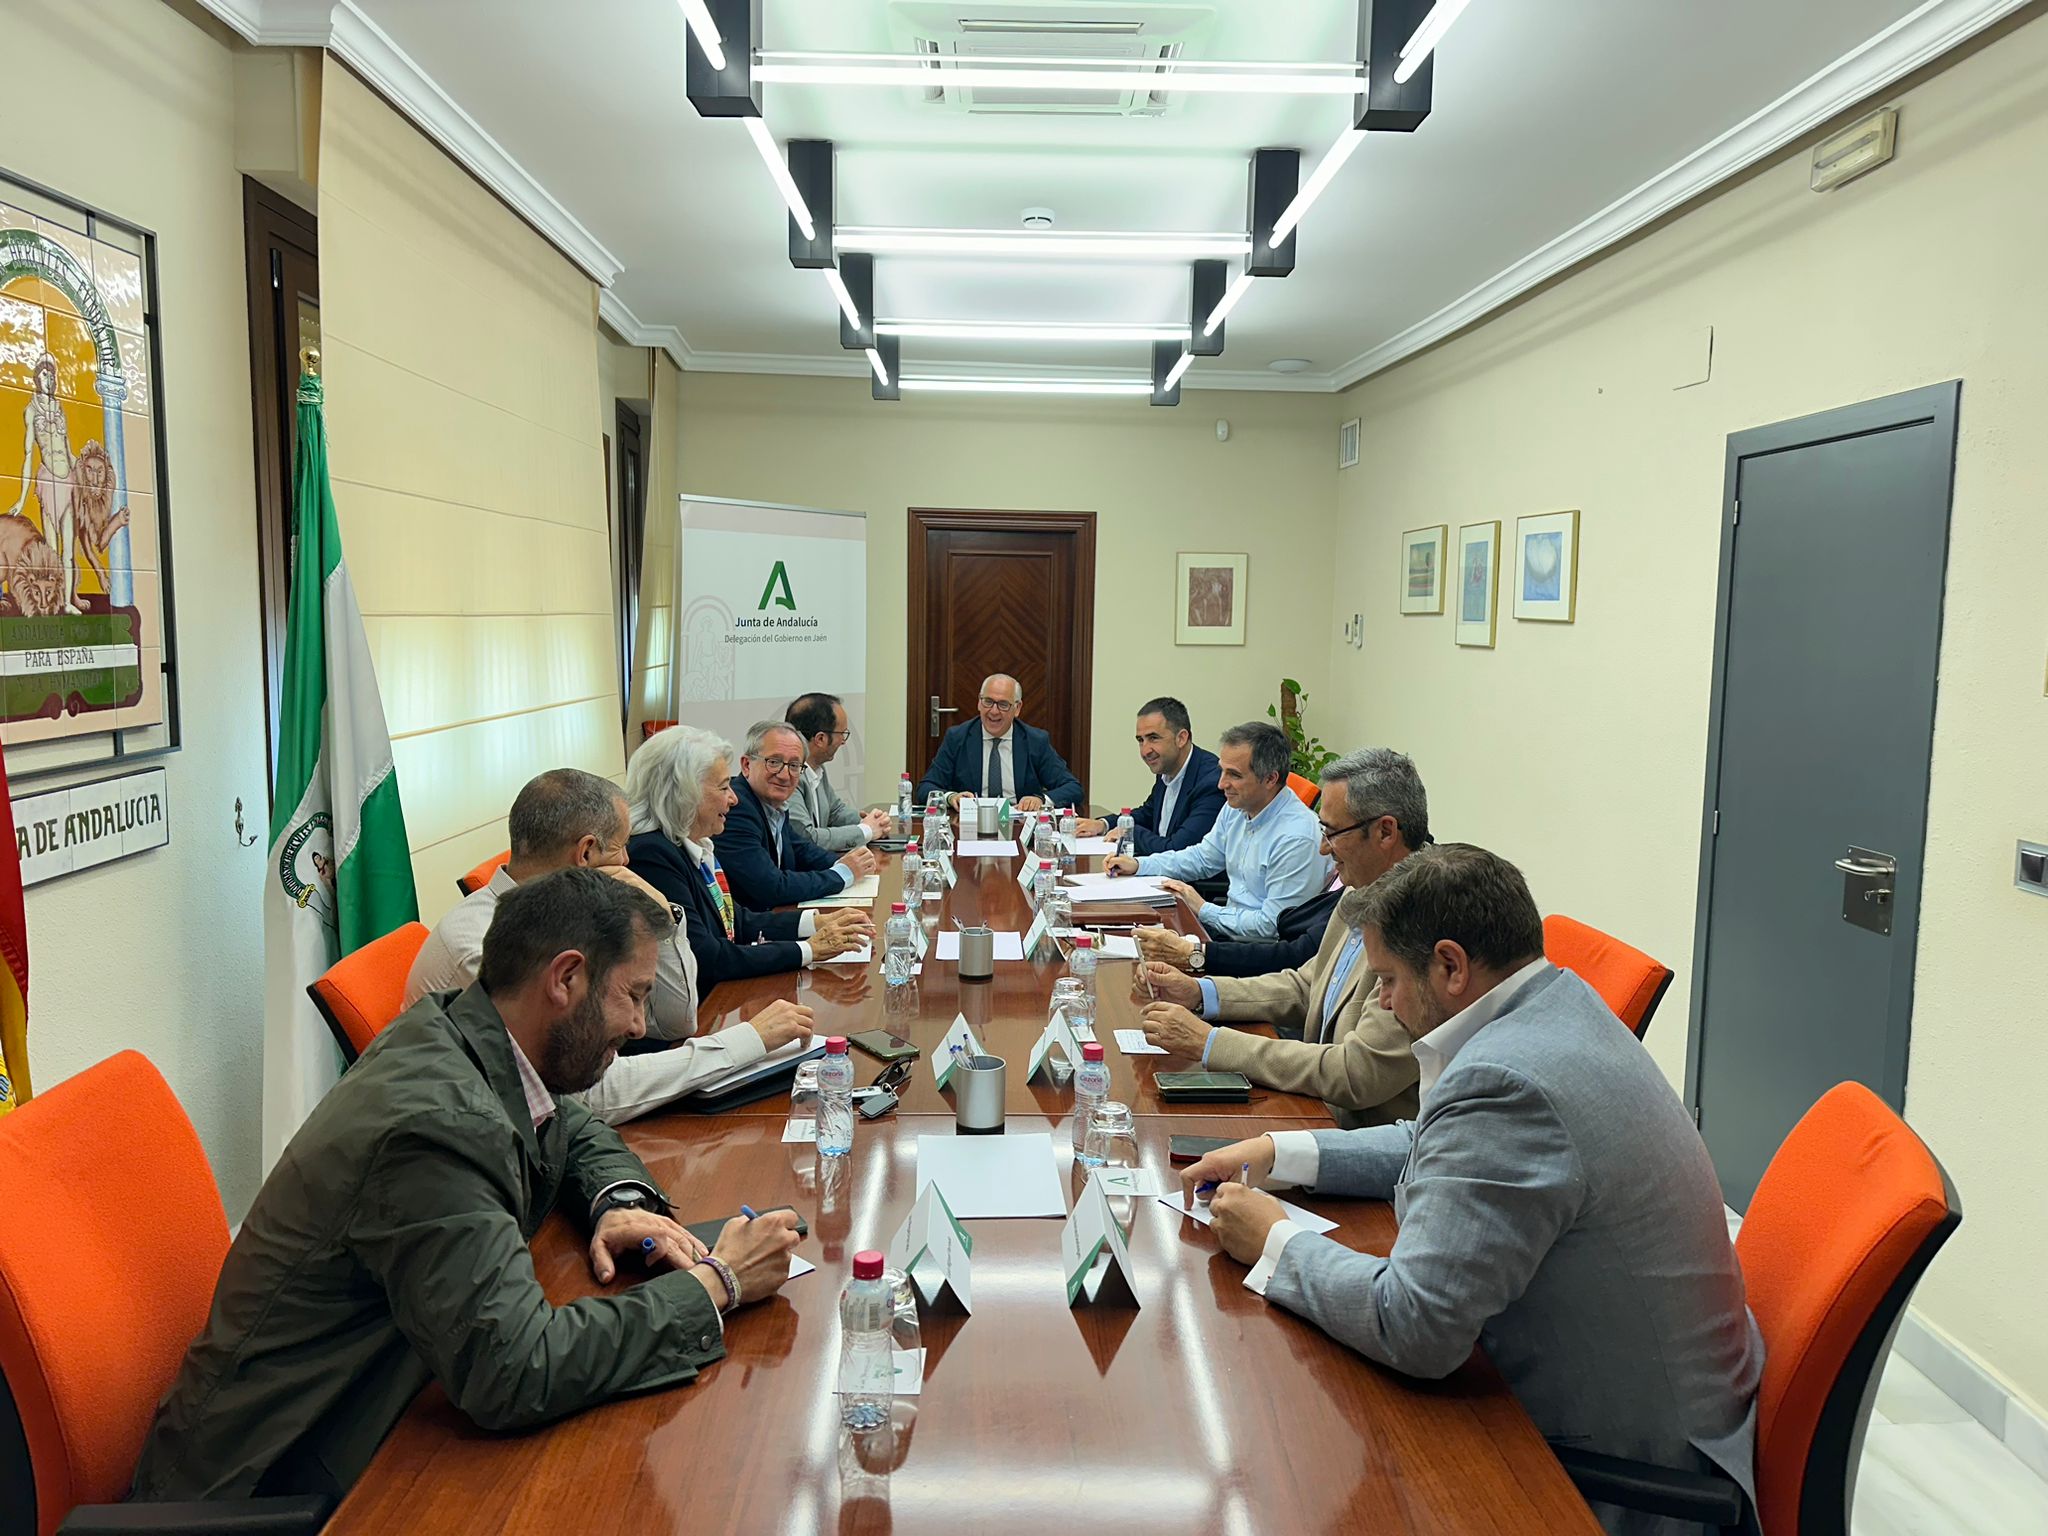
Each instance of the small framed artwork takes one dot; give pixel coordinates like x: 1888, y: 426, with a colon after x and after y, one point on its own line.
x: 1478, y: 596
x: 1347, y: 444
x: 1209, y: 605
x: 1547, y: 567
x: 1422, y: 569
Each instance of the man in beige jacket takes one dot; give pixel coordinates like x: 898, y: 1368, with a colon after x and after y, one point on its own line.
x: 1352, y: 1053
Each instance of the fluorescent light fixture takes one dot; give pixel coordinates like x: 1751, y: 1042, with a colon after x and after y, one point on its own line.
x: 1029, y: 386
x: 771, y: 153
x: 705, y: 31
x: 922, y: 71
x: 1325, y: 172
x: 1024, y: 330
x: 875, y: 362
x: 1173, y: 374
x: 838, y: 286
x: 1103, y: 246
x: 1227, y: 303
x: 1427, y: 36
x: 1341, y: 67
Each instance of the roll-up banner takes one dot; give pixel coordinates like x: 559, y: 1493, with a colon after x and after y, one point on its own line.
x: 774, y: 603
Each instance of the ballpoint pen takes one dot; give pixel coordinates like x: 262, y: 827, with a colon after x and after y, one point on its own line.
x: 749, y: 1212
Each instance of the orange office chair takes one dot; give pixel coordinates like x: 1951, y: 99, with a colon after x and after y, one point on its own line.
x: 480, y: 877
x: 1849, y: 1215
x: 653, y: 727
x: 1628, y: 981
x: 1308, y: 791
x: 363, y: 992
x: 93, y: 1329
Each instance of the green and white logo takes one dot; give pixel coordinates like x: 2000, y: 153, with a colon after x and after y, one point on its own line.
x: 777, y: 578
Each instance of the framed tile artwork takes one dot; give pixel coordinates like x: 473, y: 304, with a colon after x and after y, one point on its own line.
x: 1547, y: 567
x: 86, y: 643
x: 1209, y: 596
x: 1478, y: 589
x: 1422, y: 569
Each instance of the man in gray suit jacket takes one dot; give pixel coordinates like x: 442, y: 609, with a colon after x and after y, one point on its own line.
x: 816, y: 810
x: 1556, y: 1203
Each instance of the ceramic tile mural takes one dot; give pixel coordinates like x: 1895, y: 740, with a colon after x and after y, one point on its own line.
x: 81, y: 590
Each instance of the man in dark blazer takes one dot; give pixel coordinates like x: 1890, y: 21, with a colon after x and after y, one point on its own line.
x: 998, y: 754
x: 769, y: 862
x: 1186, y: 793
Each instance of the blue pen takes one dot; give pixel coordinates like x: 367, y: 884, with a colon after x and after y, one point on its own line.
x: 748, y: 1211
x: 647, y: 1249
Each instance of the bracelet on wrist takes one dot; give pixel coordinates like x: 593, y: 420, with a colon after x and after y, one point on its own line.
x: 726, y: 1278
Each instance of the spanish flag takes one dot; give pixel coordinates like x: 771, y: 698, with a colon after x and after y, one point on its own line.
x: 14, y: 1084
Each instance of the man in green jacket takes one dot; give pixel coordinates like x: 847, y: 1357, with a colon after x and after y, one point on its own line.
x: 389, y: 1244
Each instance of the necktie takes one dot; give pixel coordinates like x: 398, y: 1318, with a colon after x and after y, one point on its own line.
x: 992, y: 776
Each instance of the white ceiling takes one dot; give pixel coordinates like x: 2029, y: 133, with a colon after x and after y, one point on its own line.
x: 1546, y: 113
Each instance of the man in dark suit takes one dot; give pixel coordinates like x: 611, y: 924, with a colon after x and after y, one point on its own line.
x: 769, y: 862
x: 1186, y: 796
x: 999, y: 754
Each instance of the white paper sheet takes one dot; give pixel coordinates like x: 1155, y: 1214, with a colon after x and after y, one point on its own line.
x: 865, y: 955
x: 862, y: 893
x: 987, y: 848
x: 1308, y: 1221
x: 800, y: 1266
x: 1115, y: 946
x: 1009, y: 944
x: 1087, y: 889
x: 800, y: 1130
x: 1090, y: 847
x: 986, y: 1176
x: 1132, y: 1042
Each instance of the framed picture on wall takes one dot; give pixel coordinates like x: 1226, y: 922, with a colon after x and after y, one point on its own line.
x: 1478, y: 592
x: 1547, y: 567
x: 1422, y: 569
x: 1209, y: 596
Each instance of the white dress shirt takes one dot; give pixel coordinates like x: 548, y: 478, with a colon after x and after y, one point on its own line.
x: 1295, y: 1158
x: 1170, y: 795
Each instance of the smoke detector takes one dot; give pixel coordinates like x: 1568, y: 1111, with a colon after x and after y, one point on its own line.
x: 1038, y: 218
x: 1289, y: 365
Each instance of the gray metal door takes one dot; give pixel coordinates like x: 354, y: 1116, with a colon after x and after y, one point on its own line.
x: 1826, y: 640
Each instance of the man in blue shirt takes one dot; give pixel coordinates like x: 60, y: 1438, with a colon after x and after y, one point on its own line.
x: 1265, y: 839
x: 1186, y: 797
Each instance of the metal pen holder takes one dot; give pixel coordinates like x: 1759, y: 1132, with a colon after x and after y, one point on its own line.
x: 978, y: 1084
x: 987, y: 817
x: 977, y: 954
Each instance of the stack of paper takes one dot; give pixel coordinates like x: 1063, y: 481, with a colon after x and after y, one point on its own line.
x: 992, y: 1175
x: 1087, y: 889
x: 1009, y: 944
x: 986, y: 848
x: 761, y: 1066
x: 864, y: 892
x: 1090, y: 847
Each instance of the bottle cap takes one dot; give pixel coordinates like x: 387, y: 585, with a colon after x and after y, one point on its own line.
x: 1084, y: 941
x: 1091, y: 1050
x: 835, y: 1045
x: 1125, y: 811
x: 911, y: 847
x: 898, y: 906
x: 867, y: 1265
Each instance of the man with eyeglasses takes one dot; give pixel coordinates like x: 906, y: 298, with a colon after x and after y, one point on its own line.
x: 1352, y: 1052
x: 768, y: 862
x: 999, y: 754
x: 816, y: 810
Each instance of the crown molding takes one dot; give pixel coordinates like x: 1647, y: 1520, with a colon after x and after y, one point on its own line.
x: 635, y: 332
x: 1910, y: 43
x: 849, y: 365
x: 366, y: 48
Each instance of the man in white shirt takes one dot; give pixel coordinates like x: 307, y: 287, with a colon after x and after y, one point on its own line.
x: 816, y: 810
x: 1556, y: 1204
x: 565, y: 818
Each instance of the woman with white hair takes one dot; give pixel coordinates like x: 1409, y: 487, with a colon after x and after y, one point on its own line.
x: 678, y: 790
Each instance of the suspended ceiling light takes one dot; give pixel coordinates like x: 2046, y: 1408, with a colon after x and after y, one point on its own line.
x: 881, y: 370
x: 1227, y: 303
x: 1179, y: 368
x: 1324, y: 173
x: 846, y: 305
x: 1011, y: 242
x: 1427, y: 36
x: 706, y: 32
x: 995, y: 386
x: 1026, y: 330
x: 922, y: 71
x: 764, y: 141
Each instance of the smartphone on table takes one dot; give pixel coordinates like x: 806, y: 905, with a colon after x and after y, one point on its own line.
x: 883, y: 1046
x: 1187, y: 1149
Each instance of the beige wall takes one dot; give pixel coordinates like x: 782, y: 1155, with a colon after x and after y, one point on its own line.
x: 462, y: 400
x: 163, y: 953
x: 1579, y: 751
x: 1159, y: 480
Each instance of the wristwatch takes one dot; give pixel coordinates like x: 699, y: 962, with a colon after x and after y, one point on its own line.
x: 1197, y: 958
x: 628, y: 1197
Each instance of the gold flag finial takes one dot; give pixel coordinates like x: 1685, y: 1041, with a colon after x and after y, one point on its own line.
x: 309, y: 361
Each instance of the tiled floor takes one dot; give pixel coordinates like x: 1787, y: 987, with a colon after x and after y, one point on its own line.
x: 1929, y: 1469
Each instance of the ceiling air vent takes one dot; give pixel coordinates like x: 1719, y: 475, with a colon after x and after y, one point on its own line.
x: 1141, y: 31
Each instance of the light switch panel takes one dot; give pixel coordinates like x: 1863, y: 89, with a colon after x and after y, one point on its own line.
x: 2030, y: 869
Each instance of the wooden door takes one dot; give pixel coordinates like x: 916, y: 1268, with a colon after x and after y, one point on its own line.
x: 629, y: 535
x: 1002, y: 592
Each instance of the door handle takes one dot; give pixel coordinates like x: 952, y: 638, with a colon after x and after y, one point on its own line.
x: 1869, y: 869
x: 939, y: 709
x: 1867, y: 878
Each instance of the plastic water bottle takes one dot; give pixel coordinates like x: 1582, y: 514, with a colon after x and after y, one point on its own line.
x: 1044, y: 883
x: 933, y: 818
x: 1124, y: 831
x: 835, y: 1100
x: 913, y: 866
x: 867, y: 1364
x: 899, y: 956
x: 934, y: 880
x: 1091, y: 1087
x: 904, y: 790
x: 1082, y: 965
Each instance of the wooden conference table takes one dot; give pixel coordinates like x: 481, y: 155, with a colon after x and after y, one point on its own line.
x: 1204, y: 1409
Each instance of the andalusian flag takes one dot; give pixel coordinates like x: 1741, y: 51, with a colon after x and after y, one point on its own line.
x: 340, y: 874
x: 14, y: 1084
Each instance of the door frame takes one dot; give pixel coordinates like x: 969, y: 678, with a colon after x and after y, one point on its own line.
x: 925, y: 520
x: 1937, y: 404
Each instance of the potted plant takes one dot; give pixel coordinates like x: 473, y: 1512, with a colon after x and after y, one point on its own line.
x: 1311, y: 757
